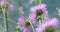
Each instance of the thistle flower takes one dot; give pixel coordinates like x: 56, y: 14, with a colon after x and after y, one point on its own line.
x: 24, y: 25
x: 8, y: 5
x: 21, y: 22
x: 27, y: 29
x: 32, y: 18
x: 46, y: 18
x: 53, y: 23
x: 39, y: 10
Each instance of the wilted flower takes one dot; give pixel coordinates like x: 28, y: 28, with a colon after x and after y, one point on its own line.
x: 53, y: 23
x: 24, y: 25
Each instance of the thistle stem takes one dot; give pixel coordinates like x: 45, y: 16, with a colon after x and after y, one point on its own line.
x: 41, y: 20
x: 40, y: 1
x: 5, y: 20
x: 32, y: 26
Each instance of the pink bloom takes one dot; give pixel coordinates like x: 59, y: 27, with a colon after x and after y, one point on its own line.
x: 2, y: 2
x: 46, y: 18
x: 21, y: 22
x: 29, y: 28
x: 32, y: 18
x: 53, y: 22
x: 24, y: 25
x: 40, y: 29
x: 10, y: 7
x: 26, y: 29
x: 41, y: 6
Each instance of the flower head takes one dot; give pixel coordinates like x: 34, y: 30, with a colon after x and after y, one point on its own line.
x: 32, y: 17
x: 39, y: 11
x: 8, y: 5
x: 28, y: 29
x: 40, y: 8
x: 24, y: 25
x: 51, y: 23
x: 46, y: 18
x: 21, y: 22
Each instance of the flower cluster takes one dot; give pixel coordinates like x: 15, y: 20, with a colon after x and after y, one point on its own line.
x: 38, y: 14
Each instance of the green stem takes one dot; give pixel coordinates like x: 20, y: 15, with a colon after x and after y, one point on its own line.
x: 38, y: 1
x: 10, y: 20
x: 5, y: 19
x: 41, y: 20
x: 32, y: 26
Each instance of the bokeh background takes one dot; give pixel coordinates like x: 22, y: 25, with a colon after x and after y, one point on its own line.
x: 22, y: 7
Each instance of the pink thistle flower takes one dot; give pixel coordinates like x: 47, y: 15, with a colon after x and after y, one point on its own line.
x: 40, y: 7
x: 53, y: 22
x: 21, y: 22
x: 46, y: 18
x: 27, y: 29
x: 32, y: 18
x: 24, y: 25
x: 9, y: 6
x: 40, y: 29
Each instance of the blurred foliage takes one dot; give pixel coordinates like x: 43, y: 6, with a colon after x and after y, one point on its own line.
x: 50, y: 29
